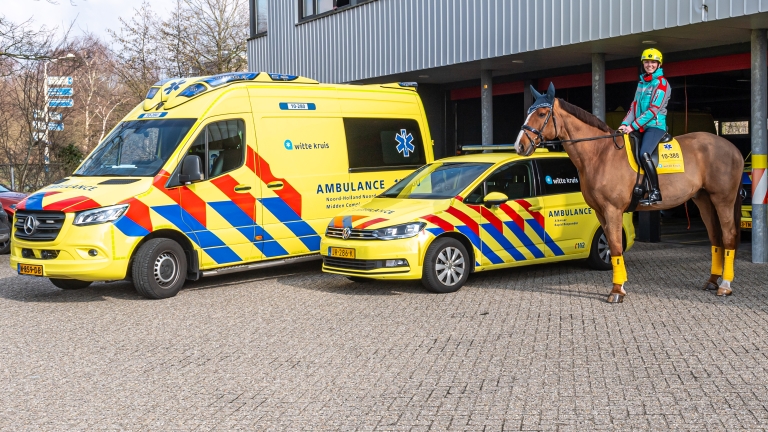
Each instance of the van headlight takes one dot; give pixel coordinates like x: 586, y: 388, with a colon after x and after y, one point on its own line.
x: 399, y: 231
x: 100, y: 215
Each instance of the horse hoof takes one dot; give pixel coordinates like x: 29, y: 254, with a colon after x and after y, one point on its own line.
x: 615, y: 298
x: 709, y: 286
x: 723, y: 291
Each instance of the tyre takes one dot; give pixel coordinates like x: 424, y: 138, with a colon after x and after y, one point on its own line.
x: 159, y: 269
x: 446, y: 266
x: 70, y: 284
x: 5, y: 247
x: 359, y: 279
x: 600, y: 253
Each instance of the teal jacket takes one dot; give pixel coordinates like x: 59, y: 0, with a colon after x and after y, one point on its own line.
x: 649, y: 109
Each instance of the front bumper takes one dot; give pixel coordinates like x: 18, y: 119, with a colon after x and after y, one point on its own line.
x: 746, y: 217
x: 68, y: 256
x: 371, y: 257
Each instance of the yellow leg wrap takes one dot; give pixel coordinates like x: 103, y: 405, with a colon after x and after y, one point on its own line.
x: 717, y: 261
x: 619, y: 271
x: 730, y: 255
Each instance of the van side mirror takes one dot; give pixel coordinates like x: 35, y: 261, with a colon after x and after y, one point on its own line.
x: 494, y: 199
x: 191, y: 170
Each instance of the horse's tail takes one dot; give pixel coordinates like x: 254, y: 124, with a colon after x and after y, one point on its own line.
x: 737, y: 214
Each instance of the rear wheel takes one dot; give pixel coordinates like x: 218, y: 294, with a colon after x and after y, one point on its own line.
x: 5, y: 246
x: 600, y: 252
x: 70, y: 284
x: 446, y: 266
x: 159, y: 269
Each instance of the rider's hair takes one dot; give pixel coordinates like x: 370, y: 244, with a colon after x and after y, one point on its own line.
x: 584, y: 116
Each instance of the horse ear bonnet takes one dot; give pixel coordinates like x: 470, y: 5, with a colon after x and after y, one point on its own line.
x: 545, y: 100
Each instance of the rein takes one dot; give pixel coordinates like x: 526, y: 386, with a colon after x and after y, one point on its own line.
x: 555, y: 143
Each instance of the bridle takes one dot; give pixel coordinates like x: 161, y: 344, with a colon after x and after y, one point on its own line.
x: 556, y: 143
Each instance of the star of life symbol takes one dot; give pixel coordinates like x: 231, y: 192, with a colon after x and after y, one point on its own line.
x: 667, y: 146
x: 404, y: 143
x: 172, y: 87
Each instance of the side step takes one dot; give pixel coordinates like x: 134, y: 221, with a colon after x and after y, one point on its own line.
x: 262, y: 264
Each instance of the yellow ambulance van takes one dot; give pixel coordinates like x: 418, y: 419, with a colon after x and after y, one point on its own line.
x: 219, y: 174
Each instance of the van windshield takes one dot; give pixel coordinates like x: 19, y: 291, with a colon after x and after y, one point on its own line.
x: 136, y: 148
x: 437, y: 180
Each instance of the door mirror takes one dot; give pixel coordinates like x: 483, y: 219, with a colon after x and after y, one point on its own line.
x: 494, y: 199
x: 191, y: 170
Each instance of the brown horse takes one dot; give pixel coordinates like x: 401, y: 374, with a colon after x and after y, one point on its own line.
x: 712, y: 177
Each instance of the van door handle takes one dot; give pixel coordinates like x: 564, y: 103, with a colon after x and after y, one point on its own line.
x: 275, y: 185
x: 242, y: 188
x: 534, y: 208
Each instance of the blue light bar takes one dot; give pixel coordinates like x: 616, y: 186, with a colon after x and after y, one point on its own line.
x: 193, y: 90
x: 408, y: 84
x: 282, y: 77
x: 221, y: 79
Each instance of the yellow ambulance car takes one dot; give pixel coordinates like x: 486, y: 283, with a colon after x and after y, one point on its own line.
x: 219, y: 174
x: 468, y: 214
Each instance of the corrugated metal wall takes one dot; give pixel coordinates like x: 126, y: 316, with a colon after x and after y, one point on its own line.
x: 384, y: 37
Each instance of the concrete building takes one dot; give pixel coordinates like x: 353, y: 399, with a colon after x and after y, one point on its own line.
x: 474, y: 59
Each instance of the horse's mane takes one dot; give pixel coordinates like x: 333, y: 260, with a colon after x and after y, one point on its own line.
x: 584, y: 116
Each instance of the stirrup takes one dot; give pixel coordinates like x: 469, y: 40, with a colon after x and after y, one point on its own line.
x: 651, y: 200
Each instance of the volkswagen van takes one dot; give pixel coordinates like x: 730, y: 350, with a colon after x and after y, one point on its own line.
x: 219, y: 174
x: 469, y: 214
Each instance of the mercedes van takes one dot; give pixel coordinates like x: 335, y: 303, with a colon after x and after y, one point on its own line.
x: 218, y: 174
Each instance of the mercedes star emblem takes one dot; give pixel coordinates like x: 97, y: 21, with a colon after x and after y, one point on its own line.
x: 30, y: 225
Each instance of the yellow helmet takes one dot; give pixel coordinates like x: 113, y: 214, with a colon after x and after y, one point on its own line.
x: 651, y: 54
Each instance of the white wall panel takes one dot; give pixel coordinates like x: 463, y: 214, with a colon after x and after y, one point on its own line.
x: 385, y: 37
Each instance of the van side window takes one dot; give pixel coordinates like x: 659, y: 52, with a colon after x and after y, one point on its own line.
x: 221, y: 147
x: 558, y: 176
x: 383, y: 143
x: 513, y: 180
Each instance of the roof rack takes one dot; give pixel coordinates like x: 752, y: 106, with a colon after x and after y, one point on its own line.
x: 505, y: 148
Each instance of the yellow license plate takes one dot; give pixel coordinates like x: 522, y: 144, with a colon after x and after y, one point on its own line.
x: 342, y: 253
x: 31, y: 269
x: 746, y: 224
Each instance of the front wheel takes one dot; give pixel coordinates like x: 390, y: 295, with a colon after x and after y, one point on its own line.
x: 70, y: 284
x: 159, y: 269
x: 446, y: 266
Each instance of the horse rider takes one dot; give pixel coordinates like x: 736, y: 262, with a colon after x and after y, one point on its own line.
x: 648, y: 116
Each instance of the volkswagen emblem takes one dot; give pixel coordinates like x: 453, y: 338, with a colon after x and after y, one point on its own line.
x: 346, y: 233
x: 30, y: 225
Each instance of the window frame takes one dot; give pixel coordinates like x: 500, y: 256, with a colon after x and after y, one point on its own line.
x: 539, y: 172
x: 336, y: 9
x: 483, y: 184
x: 173, y: 180
x: 253, y: 15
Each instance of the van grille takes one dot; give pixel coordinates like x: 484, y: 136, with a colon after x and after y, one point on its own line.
x: 47, y: 225
x: 351, y: 264
x: 355, y: 234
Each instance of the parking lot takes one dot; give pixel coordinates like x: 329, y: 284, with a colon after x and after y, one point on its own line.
x: 533, y: 348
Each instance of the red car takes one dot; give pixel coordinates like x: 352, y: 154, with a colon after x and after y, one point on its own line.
x: 8, y: 198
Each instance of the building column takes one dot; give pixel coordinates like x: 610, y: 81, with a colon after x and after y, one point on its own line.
x: 759, y: 141
x: 486, y: 105
x: 527, y: 97
x: 598, y: 85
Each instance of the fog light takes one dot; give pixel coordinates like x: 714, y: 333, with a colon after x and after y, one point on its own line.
x: 27, y: 253
x: 395, y: 263
x: 93, y: 252
x: 49, y: 254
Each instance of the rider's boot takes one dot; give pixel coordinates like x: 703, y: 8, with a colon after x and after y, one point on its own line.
x: 654, y: 194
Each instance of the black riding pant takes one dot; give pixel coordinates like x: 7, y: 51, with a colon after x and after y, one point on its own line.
x: 651, y: 138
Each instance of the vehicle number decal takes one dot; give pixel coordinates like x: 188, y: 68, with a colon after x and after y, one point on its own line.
x: 300, y: 106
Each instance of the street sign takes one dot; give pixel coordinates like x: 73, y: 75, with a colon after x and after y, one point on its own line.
x: 61, y: 103
x: 51, y: 115
x: 59, y: 81
x: 38, y: 136
x: 52, y: 126
x: 60, y: 91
